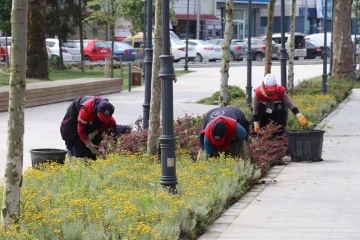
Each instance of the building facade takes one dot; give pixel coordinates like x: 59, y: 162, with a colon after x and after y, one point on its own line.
x: 211, y: 13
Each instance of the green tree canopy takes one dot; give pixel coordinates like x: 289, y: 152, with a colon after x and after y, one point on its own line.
x: 5, y: 15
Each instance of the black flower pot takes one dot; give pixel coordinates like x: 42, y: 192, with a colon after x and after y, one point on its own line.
x: 306, y: 145
x: 44, y: 155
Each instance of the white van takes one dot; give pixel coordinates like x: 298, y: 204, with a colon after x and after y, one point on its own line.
x: 300, y: 48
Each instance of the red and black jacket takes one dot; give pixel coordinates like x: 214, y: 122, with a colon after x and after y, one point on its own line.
x: 81, y: 119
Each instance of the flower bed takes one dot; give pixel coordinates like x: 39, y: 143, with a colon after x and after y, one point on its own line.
x: 120, y: 198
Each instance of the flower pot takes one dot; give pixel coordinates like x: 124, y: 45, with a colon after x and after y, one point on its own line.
x: 305, y: 146
x: 44, y: 155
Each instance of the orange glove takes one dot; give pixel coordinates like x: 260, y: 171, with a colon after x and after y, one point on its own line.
x: 256, y: 127
x: 301, y: 119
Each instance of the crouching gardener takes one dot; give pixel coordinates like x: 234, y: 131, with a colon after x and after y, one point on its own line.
x: 222, y: 127
x: 85, y: 120
x: 271, y: 103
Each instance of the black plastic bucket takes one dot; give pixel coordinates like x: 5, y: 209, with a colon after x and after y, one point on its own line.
x: 44, y: 155
x: 306, y: 146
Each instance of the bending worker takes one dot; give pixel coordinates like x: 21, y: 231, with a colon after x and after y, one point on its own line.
x: 222, y: 127
x: 85, y: 120
x: 271, y: 102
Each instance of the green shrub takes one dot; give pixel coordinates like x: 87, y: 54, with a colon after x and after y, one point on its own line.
x: 234, y: 92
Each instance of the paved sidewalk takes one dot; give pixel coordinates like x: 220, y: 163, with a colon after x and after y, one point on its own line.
x: 304, y: 201
x: 42, y: 123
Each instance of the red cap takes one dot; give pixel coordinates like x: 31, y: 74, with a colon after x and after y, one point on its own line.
x: 104, y: 118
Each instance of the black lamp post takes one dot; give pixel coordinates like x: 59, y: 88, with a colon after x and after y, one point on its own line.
x: 249, y: 58
x: 356, y: 29
x: 144, y: 40
x: 283, y: 52
x: 324, y: 76
x: 186, y: 66
x: 167, y: 139
x: 148, y: 65
x: 332, y: 39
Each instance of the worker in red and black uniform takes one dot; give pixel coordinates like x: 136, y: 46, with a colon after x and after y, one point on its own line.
x: 271, y: 103
x: 222, y: 127
x: 84, y: 122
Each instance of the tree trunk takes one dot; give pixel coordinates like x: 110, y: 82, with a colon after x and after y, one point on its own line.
x: 269, y: 32
x: 37, y: 62
x: 59, y: 34
x: 14, y: 162
x: 155, y: 104
x: 81, y: 33
x: 292, y: 47
x: 343, y: 48
x: 229, y: 8
x: 112, y: 33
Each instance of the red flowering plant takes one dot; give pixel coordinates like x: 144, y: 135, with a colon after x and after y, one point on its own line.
x: 186, y: 131
x: 268, y: 147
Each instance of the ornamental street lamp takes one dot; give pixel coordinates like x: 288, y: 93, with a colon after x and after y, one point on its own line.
x: 324, y: 53
x: 332, y: 40
x: 167, y: 139
x: 249, y: 58
x: 148, y: 65
x: 283, y: 52
x: 186, y: 66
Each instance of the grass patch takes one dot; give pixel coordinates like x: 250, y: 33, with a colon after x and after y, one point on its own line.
x: 74, y: 73
x: 234, y: 92
x: 308, y: 97
x: 120, y: 198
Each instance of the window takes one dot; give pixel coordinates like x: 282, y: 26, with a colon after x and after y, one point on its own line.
x: 139, y: 43
x: 50, y: 44
x: 129, y: 41
x: 77, y: 44
x: 100, y: 45
x: 299, y: 42
x: 192, y: 43
x: 70, y: 45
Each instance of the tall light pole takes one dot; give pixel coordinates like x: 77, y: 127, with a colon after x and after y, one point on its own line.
x: 324, y: 53
x: 356, y: 30
x: 332, y: 39
x: 144, y: 41
x: 186, y: 66
x: 198, y: 23
x: 305, y: 17
x: 283, y: 52
x: 167, y: 139
x: 148, y: 65
x: 249, y: 57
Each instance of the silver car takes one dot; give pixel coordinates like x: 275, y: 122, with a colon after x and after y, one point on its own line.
x: 238, y: 48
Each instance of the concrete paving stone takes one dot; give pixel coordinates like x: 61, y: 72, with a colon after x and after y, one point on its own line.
x: 251, y: 194
x: 240, y: 205
x: 210, y: 235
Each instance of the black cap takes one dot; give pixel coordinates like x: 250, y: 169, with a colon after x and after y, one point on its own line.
x: 218, y: 130
x: 105, y: 108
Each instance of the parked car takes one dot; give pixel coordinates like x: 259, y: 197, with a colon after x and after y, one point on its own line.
x: 178, y: 49
x: 177, y: 46
x: 315, y: 49
x: 238, y: 48
x: 70, y: 52
x: 94, y: 50
x: 205, y: 50
x: 3, y: 51
x: 300, y: 49
x: 124, y: 51
x: 3, y: 48
x: 258, y: 47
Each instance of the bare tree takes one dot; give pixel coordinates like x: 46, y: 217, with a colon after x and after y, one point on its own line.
x: 154, y: 119
x: 343, y: 47
x: 292, y: 47
x: 269, y: 32
x: 228, y: 34
x: 14, y: 162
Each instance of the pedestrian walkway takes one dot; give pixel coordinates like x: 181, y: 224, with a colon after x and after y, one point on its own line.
x: 304, y: 201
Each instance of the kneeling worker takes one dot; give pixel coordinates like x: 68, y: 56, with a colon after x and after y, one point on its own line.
x: 222, y: 127
x: 271, y: 102
x: 85, y: 120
